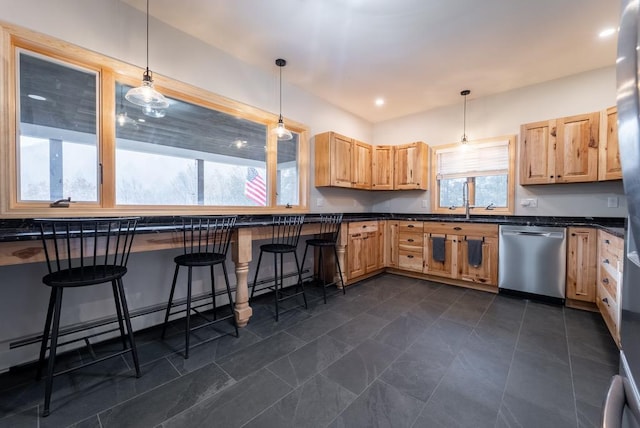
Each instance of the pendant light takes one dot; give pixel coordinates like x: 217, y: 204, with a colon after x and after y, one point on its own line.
x: 145, y: 95
x: 282, y: 132
x: 464, y: 117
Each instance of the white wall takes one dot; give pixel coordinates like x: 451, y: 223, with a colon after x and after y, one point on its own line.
x: 502, y: 114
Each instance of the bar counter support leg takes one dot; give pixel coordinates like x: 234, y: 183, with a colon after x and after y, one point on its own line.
x: 241, y: 257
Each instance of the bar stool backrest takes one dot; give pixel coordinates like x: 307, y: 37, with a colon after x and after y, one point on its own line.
x: 207, y: 234
x: 286, y: 229
x: 330, y: 227
x: 87, y: 243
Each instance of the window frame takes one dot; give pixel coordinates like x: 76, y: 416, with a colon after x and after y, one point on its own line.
x: 109, y: 72
x: 435, y: 183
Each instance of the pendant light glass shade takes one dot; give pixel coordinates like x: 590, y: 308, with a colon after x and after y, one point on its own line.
x: 145, y: 95
x: 282, y: 133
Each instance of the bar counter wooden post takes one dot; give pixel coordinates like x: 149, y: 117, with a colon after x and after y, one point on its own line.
x: 241, y: 257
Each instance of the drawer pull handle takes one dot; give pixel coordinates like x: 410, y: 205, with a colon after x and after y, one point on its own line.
x: 457, y: 228
x: 606, y: 261
x: 606, y: 241
x: 364, y: 227
x: 410, y: 225
x: 409, y: 256
x: 409, y: 240
x: 605, y: 280
x: 357, y: 235
x: 605, y: 300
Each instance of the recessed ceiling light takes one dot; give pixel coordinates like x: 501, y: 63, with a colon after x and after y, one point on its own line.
x: 37, y: 97
x: 379, y: 102
x: 606, y: 33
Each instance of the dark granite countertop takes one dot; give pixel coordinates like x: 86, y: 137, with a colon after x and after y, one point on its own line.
x: 25, y: 229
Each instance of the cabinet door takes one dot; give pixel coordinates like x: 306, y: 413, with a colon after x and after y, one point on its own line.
x: 609, y: 163
x: 577, y: 148
x: 391, y: 244
x: 341, y: 163
x: 537, y: 153
x: 447, y: 268
x: 581, y: 264
x: 382, y: 168
x: 487, y: 271
x: 410, y: 166
x: 372, y: 251
x: 356, y: 255
x: 361, y: 169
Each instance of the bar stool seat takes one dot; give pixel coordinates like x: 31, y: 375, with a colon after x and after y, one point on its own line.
x: 284, y: 240
x: 80, y: 253
x: 327, y: 238
x: 206, y: 241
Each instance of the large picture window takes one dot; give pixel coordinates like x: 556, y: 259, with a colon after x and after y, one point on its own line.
x: 480, y: 174
x: 57, y: 132
x: 77, y: 137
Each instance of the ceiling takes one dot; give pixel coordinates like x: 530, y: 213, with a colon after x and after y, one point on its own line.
x: 416, y: 54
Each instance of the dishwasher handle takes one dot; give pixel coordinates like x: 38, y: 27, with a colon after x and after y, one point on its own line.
x: 555, y: 235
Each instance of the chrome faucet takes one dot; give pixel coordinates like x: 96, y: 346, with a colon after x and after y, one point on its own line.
x: 466, y: 204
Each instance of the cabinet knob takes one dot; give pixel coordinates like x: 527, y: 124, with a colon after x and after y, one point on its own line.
x: 551, y: 176
x: 605, y: 280
x: 409, y: 256
x: 409, y: 240
x: 605, y: 261
x: 559, y: 176
x: 606, y: 241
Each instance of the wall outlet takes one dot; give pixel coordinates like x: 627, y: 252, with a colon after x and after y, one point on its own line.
x: 319, y: 202
x: 425, y: 203
x: 529, y: 203
x: 612, y: 202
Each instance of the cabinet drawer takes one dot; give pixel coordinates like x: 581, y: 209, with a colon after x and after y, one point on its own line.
x: 411, y: 226
x: 471, y: 229
x: 410, y: 241
x: 363, y: 227
x: 608, y: 280
x: 611, y: 252
x: 609, y: 309
x: 410, y: 260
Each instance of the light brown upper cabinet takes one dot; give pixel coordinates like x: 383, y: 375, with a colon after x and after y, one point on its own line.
x: 345, y: 162
x: 382, y: 168
x: 410, y: 166
x: 609, y: 163
x: 561, y: 150
x: 342, y: 161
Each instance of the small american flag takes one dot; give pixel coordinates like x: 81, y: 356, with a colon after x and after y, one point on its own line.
x: 255, y: 187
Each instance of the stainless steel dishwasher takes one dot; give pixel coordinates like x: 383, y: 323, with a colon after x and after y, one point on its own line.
x: 533, y: 260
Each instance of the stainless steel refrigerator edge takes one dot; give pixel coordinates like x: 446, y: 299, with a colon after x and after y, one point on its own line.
x: 622, y: 405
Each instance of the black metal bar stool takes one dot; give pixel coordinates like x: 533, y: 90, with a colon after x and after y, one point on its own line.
x: 206, y: 242
x: 284, y: 239
x: 327, y: 238
x: 80, y: 253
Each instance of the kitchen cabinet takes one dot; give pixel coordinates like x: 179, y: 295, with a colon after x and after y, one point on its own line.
x: 342, y: 161
x: 609, y: 161
x: 391, y: 243
x: 361, y: 165
x: 457, y: 237
x: 382, y: 168
x: 410, y: 166
x: 581, y: 264
x: 609, y: 280
x: 563, y: 150
x: 410, y: 246
x: 364, y: 254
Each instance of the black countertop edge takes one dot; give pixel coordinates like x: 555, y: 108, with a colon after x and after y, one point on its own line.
x: 25, y: 229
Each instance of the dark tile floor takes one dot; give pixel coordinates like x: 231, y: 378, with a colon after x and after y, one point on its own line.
x: 394, y: 352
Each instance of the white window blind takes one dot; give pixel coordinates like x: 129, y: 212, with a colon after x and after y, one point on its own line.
x: 473, y: 160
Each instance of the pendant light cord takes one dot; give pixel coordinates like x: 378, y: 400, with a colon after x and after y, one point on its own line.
x: 280, y: 92
x: 464, y: 115
x: 147, y: 35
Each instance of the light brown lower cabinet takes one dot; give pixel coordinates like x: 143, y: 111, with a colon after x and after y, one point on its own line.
x: 581, y: 264
x: 364, y: 254
x: 609, y: 280
x: 456, y: 240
